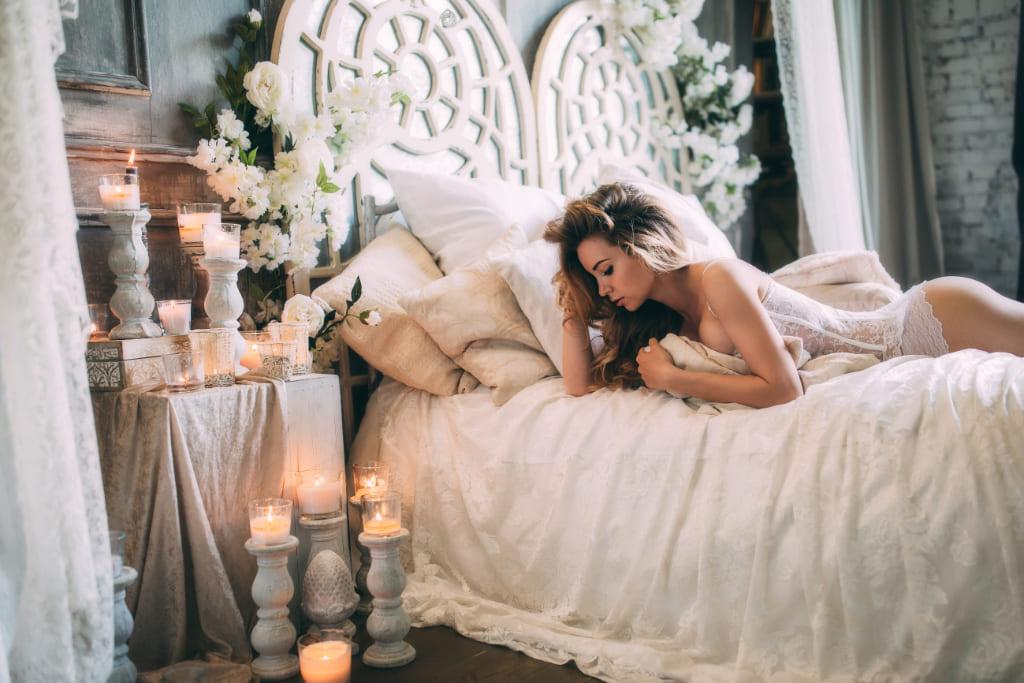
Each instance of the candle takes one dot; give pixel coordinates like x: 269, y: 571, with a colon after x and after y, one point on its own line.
x: 222, y: 240
x: 381, y: 526
x: 251, y: 358
x: 328, y: 660
x: 120, y: 192
x: 318, y: 492
x: 382, y: 513
x: 117, y: 551
x: 192, y: 218
x: 369, y: 478
x: 270, y: 520
x: 98, y: 324
x: 175, y: 315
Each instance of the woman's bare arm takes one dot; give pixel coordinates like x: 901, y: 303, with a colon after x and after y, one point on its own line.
x: 731, y: 290
x: 577, y: 358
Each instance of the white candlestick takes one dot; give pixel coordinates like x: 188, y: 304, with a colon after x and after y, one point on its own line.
x: 329, y: 661
x: 319, y: 496
x: 120, y: 197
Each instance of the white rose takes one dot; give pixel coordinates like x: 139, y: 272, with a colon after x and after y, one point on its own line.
x: 266, y: 87
x: 373, y: 319
x: 301, y: 308
x: 254, y: 17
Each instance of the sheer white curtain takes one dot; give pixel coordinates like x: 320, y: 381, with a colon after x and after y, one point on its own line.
x: 55, y: 576
x: 808, y: 53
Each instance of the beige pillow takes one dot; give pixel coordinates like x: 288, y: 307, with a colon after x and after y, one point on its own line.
x: 389, y: 266
x: 473, y: 316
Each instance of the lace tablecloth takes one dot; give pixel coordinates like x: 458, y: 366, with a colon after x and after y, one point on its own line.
x: 178, y: 471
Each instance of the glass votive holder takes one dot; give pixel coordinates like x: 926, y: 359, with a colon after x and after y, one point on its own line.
x: 97, y: 321
x: 218, y: 347
x: 318, y: 492
x: 370, y: 477
x: 193, y: 217
x: 277, y: 358
x: 183, y: 371
x: 270, y: 520
x: 251, y: 359
x: 120, y: 191
x: 175, y: 315
x: 382, y: 513
x: 325, y: 656
x: 222, y: 241
x: 299, y: 332
x: 117, y: 551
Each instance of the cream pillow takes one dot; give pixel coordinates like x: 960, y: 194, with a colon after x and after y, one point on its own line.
x: 458, y: 218
x: 705, y: 240
x: 387, y: 267
x: 474, y: 318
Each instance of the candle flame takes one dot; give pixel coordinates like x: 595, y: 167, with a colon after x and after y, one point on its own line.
x: 131, y: 158
x: 379, y: 518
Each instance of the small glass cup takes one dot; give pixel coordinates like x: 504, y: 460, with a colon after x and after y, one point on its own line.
x: 117, y: 551
x: 318, y: 492
x: 370, y: 477
x: 120, y: 191
x: 382, y: 513
x: 222, y: 241
x: 175, y: 315
x: 97, y: 321
x: 183, y: 371
x: 251, y: 359
x: 218, y: 347
x: 277, y: 358
x: 270, y: 520
x: 299, y: 332
x: 325, y: 656
x: 192, y: 218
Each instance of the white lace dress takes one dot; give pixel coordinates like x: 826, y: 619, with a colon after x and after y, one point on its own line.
x: 907, y: 326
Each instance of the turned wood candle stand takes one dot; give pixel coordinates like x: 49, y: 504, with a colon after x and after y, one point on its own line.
x: 388, y: 623
x: 274, y: 634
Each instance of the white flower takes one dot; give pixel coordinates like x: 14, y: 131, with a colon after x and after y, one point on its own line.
x: 373, y: 319
x: 304, y: 309
x: 266, y: 88
x: 254, y: 17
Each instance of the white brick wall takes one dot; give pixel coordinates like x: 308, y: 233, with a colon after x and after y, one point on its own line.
x: 970, y: 60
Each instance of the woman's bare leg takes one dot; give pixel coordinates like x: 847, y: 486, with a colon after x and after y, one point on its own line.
x: 975, y: 316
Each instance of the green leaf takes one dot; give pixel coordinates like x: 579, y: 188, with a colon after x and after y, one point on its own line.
x: 257, y: 292
x: 357, y: 290
x: 190, y: 110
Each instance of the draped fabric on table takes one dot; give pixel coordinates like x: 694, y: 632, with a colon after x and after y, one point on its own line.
x: 809, y: 73
x: 56, y: 617
x: 887, y: 113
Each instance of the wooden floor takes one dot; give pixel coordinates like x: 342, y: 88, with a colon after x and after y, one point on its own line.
x: 443, y: 656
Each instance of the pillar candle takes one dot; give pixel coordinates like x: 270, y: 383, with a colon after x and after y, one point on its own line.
x: 319, y: 495
x: 329, y: 661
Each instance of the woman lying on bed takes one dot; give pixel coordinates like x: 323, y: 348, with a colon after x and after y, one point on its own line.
x: 625, y: 269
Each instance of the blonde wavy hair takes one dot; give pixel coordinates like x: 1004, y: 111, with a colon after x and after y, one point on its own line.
x: 627, y: 218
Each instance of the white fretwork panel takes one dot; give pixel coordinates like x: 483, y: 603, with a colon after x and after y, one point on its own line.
x: 596, y: 100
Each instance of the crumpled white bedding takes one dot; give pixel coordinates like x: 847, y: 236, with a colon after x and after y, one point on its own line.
x: 871, y: 530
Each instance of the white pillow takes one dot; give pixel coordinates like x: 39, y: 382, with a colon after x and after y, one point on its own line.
x: 457, y: 218
x: 705, y: 240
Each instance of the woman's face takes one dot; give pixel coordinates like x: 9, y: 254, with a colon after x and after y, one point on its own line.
x: 623, y: 279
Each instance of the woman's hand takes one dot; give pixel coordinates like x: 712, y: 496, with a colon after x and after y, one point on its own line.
x: 655, y: 365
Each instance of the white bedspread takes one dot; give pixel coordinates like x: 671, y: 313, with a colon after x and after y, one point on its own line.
x: 871, y: 530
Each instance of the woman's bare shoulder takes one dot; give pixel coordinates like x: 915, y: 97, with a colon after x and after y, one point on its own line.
x: 725, y: 277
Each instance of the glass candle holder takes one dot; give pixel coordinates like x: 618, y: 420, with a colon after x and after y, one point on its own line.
x: 175, y: 315
x: 325, y: 656
x: 318, y: 492
x: 117, y: 551
x: 371, y: 477
x: 97, y: 321
x: 277, y: 358
x: 222, y: 240
x: 270, y: 520
x: 218, y: 347
x: 299, y: 332
x: 382, y: 513
x: 120, y: 191
x: 184, y: 371
x: 192, y: 218
x: 251, y: 359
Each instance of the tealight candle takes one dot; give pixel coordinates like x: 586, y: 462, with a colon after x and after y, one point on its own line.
x: 193, y: 217
x: 270, y: 520
x: 382, y: 513
x: 97, y: 321
x: 251, y: 359
x: 325, y: 657
x: 371, y: 477
x: 175, y: 315
x: 222, y: 241
x: 318, y: 492
x: 120, y: 191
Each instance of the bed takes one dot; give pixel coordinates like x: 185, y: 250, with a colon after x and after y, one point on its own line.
x: 871, y: 530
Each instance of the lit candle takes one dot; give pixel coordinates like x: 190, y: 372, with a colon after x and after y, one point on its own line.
x: 120, y: 192
x: 369, y: 478
x: 192, y: 218
x: 382, y: 513
x: 175, y: 315
x: 318, y: 492
x: 328, y: 661
x: 381, y: 526
x: 132, y: 169
x: 251, y: 359
x: 270, y: 520
x: 222, y: 241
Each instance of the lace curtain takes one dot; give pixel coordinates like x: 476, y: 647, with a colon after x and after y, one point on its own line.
x: 55, y: 573
x: 808, y: 54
